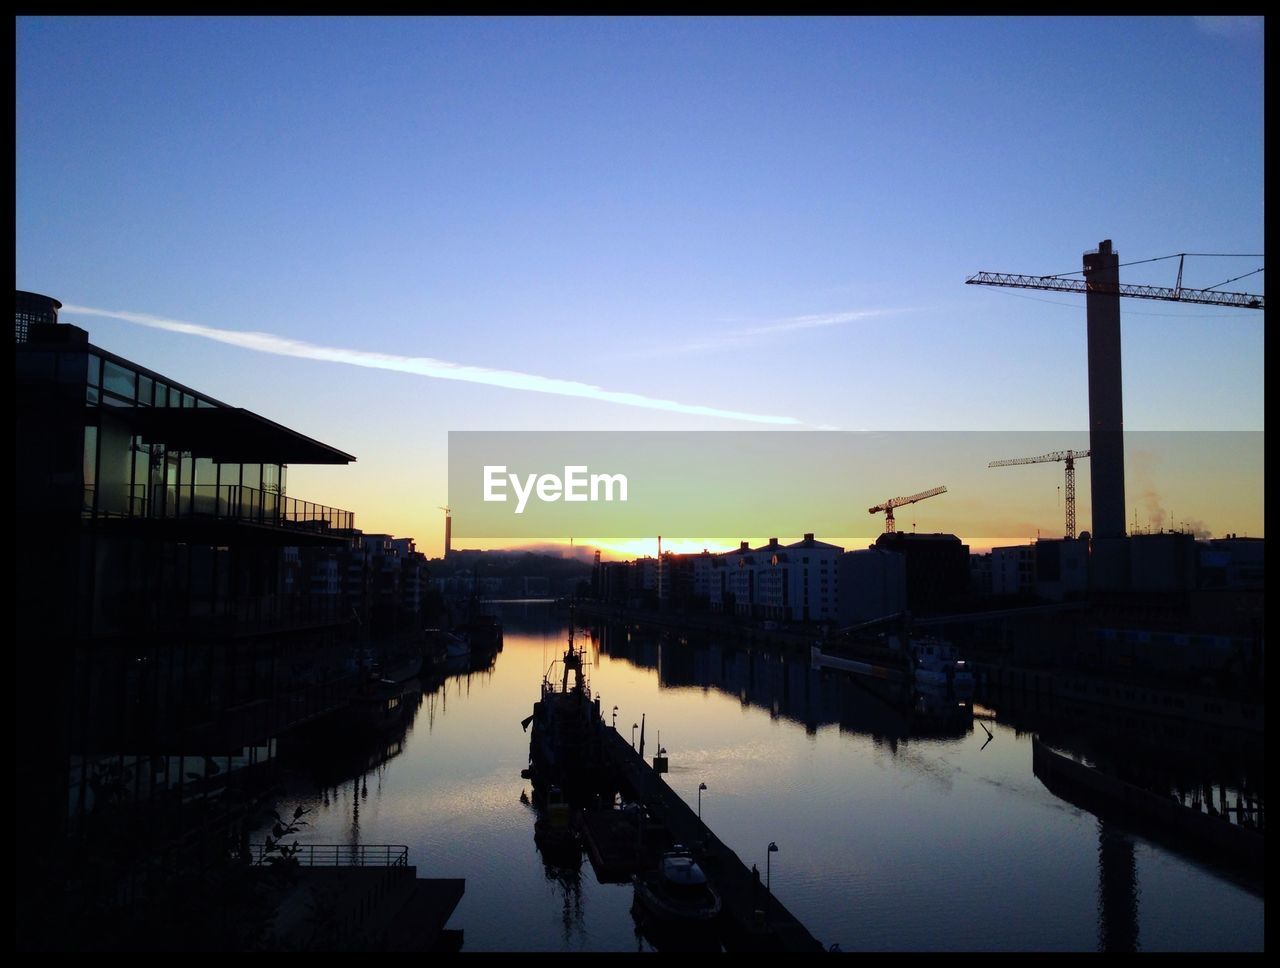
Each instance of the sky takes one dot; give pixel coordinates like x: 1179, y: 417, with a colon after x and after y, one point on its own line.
x: 376, y: 231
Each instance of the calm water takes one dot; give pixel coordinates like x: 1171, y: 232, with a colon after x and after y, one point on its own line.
x: 885, y: 842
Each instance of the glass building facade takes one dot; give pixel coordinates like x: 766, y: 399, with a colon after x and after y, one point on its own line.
x: 160, y: 658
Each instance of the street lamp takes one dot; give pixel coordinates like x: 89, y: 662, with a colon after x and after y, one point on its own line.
x: 634, y: 727
x: 701, y: 787
x: 768, y: 857
x: 615, y: 719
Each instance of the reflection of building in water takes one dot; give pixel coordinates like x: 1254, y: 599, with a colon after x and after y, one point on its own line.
x: 779, y: 681
x: 1117, y: 891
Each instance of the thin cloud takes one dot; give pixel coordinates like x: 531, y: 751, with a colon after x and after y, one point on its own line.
x: 426, y: 366
x: 761, y: 332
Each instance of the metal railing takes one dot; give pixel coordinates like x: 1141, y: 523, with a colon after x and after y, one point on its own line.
x: 341, y: 855
x: 224, y: 502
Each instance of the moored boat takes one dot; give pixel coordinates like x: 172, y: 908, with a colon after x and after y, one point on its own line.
x: 938, y: 667
x: 564, y: 745
x: 678, y: 893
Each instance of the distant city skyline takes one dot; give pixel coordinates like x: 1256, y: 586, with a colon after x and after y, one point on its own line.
x: 652, y: 224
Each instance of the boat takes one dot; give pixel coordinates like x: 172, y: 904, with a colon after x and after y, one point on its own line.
x: 383, y: 703
x: 483, y: 633
x: 565, y: 747
x: 927, y: 663
x: 553, y: 832
x: 937, y: 667
x: 677, y: 894
x: 456, y: 646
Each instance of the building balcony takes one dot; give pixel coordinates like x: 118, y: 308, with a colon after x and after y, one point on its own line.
x: 214, y: 505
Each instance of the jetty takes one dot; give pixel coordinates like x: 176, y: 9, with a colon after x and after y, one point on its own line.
x: 752, y: 918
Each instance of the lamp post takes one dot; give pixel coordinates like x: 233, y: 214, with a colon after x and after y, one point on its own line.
x: 615, y: 719
x: 701, y: 787
x: 768, y: 857
x: 634, y: 727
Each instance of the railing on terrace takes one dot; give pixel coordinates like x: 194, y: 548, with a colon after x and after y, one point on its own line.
x: 341, y: 855
x: 219, y: 502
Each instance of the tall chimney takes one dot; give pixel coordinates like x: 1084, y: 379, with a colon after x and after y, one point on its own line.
x: 1106, y: 418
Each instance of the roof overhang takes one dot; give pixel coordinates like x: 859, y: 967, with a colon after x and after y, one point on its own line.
x: 227, y: 435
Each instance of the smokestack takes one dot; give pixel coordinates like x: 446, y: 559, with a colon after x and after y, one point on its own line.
x: 448, y: 534
x: 1106, y: 416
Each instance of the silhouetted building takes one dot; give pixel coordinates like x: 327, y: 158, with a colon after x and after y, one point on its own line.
x: 873, y: 584
x: 1013, y: 569
x: 815, y: 584
x: 33, y: 309
x: 1233, y: 562
x: 1061, y: 568
x: 937, y: 569
x: 980, y: 578
x: 159, y: 658
x: 708, y: 580
x: 676, y: 581
x: 1165, y: 561
x: 774, y: 567
x: 740, y: 579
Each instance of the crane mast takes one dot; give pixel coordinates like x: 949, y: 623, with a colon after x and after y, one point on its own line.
x: 1069, y: 457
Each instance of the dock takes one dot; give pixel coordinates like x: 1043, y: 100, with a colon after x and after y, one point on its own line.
x: 364, y: 898
x: 1184, y: 829
x: 753, y: 919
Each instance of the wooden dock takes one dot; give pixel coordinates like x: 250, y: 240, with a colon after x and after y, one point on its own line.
x: 753, y: 919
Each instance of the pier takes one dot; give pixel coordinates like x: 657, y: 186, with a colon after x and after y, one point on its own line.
x: 753, y: 918
x: 1185, y: 829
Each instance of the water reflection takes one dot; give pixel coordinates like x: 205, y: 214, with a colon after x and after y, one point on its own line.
x: 1117, y: 890
x: 786, y: 686
x: 1201, y: 769
x: 896, y: 814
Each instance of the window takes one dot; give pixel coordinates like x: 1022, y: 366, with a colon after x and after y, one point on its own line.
x: 120, y: 381
x: 162, y: 394
x: 92, y: 373
x: 90, y: 465
x: 146, y: 387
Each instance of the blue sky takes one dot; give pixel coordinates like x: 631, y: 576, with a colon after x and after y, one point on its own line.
x: 766, y: 216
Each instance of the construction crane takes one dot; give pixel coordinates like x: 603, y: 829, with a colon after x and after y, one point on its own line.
x: 1102, y: 289
x: 897, y: 502
x: 1201, y: 297
x: 1070, y: 457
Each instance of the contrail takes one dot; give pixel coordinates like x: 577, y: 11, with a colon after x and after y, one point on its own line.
x: 425, y: 366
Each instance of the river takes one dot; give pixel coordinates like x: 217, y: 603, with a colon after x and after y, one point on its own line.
x: 888, y: 840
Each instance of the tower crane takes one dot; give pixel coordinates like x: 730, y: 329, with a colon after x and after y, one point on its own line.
x: 1102, y: 290
x: 1070, y: 457
x: 1202, y: 297
x: 897, y: 502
